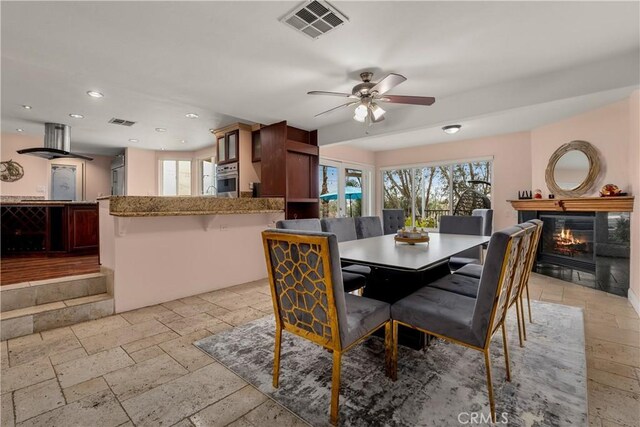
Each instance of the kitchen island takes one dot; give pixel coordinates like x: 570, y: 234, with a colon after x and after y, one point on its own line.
x: 157, y: 249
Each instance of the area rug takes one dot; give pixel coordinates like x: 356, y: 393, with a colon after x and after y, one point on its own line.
x: 443, y: 385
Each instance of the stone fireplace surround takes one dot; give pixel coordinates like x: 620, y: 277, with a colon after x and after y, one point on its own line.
x: 597, y: 252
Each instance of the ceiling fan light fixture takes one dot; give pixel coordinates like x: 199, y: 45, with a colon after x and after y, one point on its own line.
x: 451, y: 129
x: 358, y: 118
x: 361, y: 111
x: 377, y: 111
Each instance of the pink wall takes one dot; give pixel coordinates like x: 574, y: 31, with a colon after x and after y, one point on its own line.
x: 36, y: 170
x: 606, y: 128
x: 634, y: 187
x: 347, y: 154
x: 511, y: 166
x: 141, y: 169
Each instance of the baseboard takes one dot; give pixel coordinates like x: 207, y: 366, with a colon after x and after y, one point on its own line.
x: 634, y: 300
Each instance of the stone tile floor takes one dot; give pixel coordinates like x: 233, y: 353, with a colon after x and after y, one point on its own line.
x: 140, y: 367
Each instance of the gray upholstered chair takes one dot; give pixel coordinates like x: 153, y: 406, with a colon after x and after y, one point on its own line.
x: 353, y: 279
x: 487, y: 220
x: 368, y: 226
x: 392, y: 220
x: 309, y: 224
x: 471, y: 322
x: 463, y: 225
x: 345, y: 230
x: 309, y: 300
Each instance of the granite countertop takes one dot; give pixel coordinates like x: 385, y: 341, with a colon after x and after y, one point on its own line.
x: 144, y: 206
x: 45, y: 202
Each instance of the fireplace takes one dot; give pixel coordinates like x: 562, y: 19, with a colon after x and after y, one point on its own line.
x: 568, y: 240
x: 587, y: 248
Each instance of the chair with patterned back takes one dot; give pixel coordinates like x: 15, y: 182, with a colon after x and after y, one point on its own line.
x: 309, y: 300
x: 392, y: 220
x: 519, y: 277
x: 464, y: 320
x: 533, y: 253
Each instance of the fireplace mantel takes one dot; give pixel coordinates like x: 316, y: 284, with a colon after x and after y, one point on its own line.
x: 576, y: 204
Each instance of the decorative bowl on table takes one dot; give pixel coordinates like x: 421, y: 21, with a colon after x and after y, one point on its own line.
x: 412, y: 236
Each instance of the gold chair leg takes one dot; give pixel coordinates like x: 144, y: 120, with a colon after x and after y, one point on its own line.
x: 394, y: 350
x: 276, y: 357
x: 529, y: 302
x: 506, y: 351
x: 335, y: 387
x: 524, y: 327
x: 492, y: 404
x: 388, y: 349
x: 519, y: 326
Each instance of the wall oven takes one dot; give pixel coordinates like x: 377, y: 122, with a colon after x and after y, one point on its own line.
x: 227, y: 180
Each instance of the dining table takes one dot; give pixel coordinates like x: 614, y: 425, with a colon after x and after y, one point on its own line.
x: 398, y: 269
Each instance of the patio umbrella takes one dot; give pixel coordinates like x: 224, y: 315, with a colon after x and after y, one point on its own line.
x: 351, y: 193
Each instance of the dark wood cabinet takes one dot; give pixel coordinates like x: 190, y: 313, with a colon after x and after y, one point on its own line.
x: 256, y: 146
x: 228, y: 147
x: 290, y: 161
x: 83, y: 228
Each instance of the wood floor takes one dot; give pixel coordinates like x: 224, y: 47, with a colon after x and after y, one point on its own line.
x: 28, y: 269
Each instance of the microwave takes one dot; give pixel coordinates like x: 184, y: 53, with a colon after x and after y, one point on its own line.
x: 227, y: 180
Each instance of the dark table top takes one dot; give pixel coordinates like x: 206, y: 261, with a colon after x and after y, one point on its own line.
x: 384, y: 252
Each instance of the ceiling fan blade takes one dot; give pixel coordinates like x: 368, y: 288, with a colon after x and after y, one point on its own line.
x: 343, y: 95
x: 337, y: 108
x: 392, y: 80
x: 414, y: 100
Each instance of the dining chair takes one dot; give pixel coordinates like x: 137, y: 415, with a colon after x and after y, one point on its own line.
x: 487, y: 220
x: 392, y: 220
x: 345, y: 230
x: 470, y: 322
x: 454, y: 224
x: 309, y: 300
x: 368, y: 226
x: 353, y: 279
x: 531, y: 262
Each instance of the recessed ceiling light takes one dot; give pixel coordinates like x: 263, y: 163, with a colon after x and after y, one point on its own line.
x: 184, y: 141
x: 191, y: 116
x: 161, y: 130
x: 76, y: 116
x: 94, y: 94
x: 27, y: 107
x: 134, y: 140
x: 20, y: 130
x: 162, y: 148
x: 451, y: 129
x: 211, y: 130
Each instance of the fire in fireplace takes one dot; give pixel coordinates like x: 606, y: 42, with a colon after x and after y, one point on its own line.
x: 566, y: 244
x: 568, y: 240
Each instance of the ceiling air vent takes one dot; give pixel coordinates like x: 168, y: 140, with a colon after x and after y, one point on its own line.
x: 314, y: 18
x: 121, y: 122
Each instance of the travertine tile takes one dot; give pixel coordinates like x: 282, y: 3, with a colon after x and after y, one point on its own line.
x: 4, y: 355
x: 32, y: 310
x: 612, y: 380
x: 60, y: 291
x: 13, y: 299
x: 127, y: 424
x: 612, y: 367
x: 146, y: 354
x: 241, y: 316
x: 86, y: 300
x: 265, y: 306
x: 7, y: 418
x: 145, y: 314
x: 235, y: 302
x: 57, y: 333
x: 215, y: 296
x: 613, y: 404
x: 17, y: 327
x: 241, y: 422
x: 39, y: 349
x: 149, y: 341
x: 133, y: 380
x: 613, y: 334
x: 175, y: 400
x: 183, y: 423
x: 26, y: 374
x: 270, y: 414
x: 74, y: 354
x: 85, y: 389
x: 37, y: 399
x: 170, y: 305
x: 613, y: 308
x: 121, y: 336
x: 15, y: 286
x: 628, y: 323
x: 217, y: 311
x: 64, y: 316
x: 188, y: 355
x: 619, y: 353
x: 193, y: 323
x: 25, y: 340
x: 99, y: 326
x: 86, y: 368
x: 102, y: 408
x: 229, y: 409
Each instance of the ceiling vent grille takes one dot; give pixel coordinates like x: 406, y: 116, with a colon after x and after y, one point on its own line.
x: 314, y: 18
x: 121, y: 122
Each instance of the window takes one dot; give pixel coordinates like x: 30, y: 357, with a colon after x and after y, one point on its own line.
x: 207, y: 177
x: 426, y: 193
x: 176, y: 177
x: 328, y: 191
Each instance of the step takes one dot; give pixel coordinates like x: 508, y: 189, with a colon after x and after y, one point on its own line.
x: 28, y: 294
x: 43, y: 317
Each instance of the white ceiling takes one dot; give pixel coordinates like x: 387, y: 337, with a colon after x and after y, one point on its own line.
x: 229, y: 61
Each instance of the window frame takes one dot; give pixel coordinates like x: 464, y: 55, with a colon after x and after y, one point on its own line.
x: 176, y: 160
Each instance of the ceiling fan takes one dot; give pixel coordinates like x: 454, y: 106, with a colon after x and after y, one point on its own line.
x: 368, y: 94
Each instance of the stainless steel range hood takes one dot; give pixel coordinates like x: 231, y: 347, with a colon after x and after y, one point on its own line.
x: 57, y: 143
